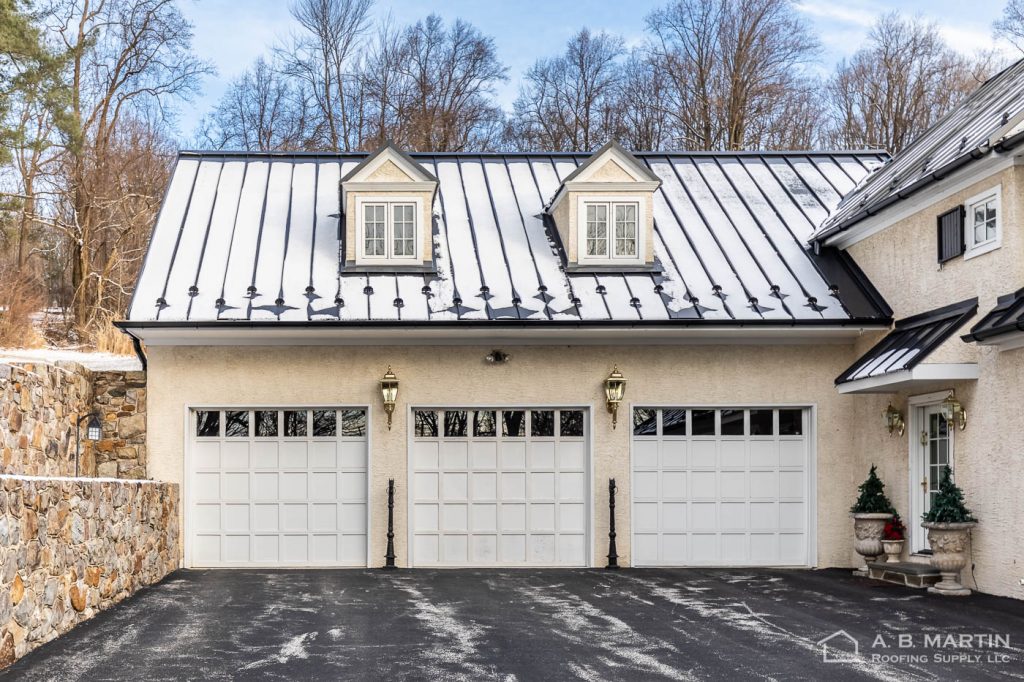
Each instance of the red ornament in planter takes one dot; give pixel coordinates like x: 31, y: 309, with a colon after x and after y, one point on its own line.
x: 894, y: 529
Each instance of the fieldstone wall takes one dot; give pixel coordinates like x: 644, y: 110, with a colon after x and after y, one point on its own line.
x: 70, y: 548
x: 38, y: 408
x: 40, y: 405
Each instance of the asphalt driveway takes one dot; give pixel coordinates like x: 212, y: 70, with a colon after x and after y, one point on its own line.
x: 534, y: 625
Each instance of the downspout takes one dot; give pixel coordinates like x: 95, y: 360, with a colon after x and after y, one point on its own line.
x: 141, y: 354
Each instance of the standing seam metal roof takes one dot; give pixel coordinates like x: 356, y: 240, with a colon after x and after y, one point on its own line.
x: 257, y: 237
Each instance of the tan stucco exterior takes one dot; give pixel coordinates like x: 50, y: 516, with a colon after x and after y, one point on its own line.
x: 988, y: 455
x: 537, y: 375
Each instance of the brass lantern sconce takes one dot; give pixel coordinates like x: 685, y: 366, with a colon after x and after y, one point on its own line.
x: 389, y: 392
x: 953, y: 412
x: 894, y: 420
x: 614, y: 390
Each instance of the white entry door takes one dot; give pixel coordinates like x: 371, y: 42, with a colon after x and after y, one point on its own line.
x: 934, y: 452
x: 277, y: 487
x: 499, y: 487
x: 721, y: 487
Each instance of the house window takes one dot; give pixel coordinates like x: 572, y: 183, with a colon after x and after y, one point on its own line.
x: 388, y: 231
x: 982, y: 232
x: 612, y: 230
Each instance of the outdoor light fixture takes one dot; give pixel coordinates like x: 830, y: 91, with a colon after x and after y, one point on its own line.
x: 893, y: 420
x: 497, y: 357
x: 953, y: 411
x: 614, y: 389
x: 93, y: 431
x: 389, y: 392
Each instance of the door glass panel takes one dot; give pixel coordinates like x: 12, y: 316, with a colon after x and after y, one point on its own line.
x: 325, y: 423
x: 207, y: 424
x: 703, y: 422
x: 645, y: 422
x: 236, y: 424
x: 791, y: 422
x: 295, y: 423
x: 673, y: 422
x: 426, y: 424
x: 542, y: 423
x: 353, y: 423
x: 732, y: 422
x: 571, y: 423
x: 513, y: 424
x: 455, y: 423
x: 484, y: 424
x: 266, y: 424
x: 761, y: 423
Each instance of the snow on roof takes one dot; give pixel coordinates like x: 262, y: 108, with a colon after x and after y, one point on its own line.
x: 255, y: 237
x: 988, y: 121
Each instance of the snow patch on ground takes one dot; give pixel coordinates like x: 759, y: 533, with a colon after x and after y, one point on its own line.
x: 293, y: 648
x: 89, y: 360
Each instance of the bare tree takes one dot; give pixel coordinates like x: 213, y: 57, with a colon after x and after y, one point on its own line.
x: 643, y: 96
x: 734, y: 65
x: 323, y: 59
x: 260, y: 111
x: 1011, y: 24
x: 897, y: 85
x: 567, y: 102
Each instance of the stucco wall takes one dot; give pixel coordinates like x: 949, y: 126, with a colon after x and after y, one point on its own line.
x: 988, y: 455
x: 568, y: 376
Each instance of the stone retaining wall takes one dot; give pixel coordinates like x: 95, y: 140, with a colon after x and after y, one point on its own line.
x: 40, y: 405
x: 70, y: 548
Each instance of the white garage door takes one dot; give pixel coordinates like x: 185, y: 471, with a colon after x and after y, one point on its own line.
x: 499, y: 487
x: 278, y: 487
x: 725, y: 487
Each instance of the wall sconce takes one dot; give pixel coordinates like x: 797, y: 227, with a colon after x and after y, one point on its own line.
x: 614, y: 389
x: 893, y: 420
x: 93, y: 432
x: 497, y: 357
x: 953, y: 411
x: 389, y: 392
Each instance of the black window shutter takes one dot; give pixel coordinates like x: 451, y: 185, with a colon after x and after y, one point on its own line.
x: 951, y: 234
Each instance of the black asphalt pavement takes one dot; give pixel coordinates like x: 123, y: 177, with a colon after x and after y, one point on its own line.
x: 525, y: 624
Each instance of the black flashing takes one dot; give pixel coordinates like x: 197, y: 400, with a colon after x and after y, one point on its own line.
x: 1007, y: 317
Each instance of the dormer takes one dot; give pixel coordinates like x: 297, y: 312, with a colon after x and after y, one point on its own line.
x: 604, y: 212
x: 387, y: 201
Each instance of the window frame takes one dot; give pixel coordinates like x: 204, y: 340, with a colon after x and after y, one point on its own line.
x: 611, y: 202
x: 389, y: 257
x: 974, y: 248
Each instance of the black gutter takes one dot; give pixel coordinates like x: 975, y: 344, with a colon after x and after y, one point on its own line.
x: 355, y: 155
x: 938, y: 175
x: 137, y: 345
x: 881, y: 323
x: 993, y: 332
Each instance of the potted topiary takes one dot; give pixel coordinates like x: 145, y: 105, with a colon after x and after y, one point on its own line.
x: 893, y: 536
x: 870, y: 513
x: 949, y: 525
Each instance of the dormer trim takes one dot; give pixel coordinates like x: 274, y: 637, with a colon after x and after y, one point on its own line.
x: 643, y: 179
x: 358, y: 179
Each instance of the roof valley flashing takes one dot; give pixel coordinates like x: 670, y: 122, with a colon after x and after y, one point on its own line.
x: 252, y: 239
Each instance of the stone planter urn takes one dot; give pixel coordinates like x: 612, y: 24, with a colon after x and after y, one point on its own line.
x: 867, y: 530
x: 949, y: 555
x: 893, y: 550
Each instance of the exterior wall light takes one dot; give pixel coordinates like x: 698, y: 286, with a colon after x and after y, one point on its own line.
x: 497, y: 357
x: 614, y: 389
x: 93, y: 432
x: 953, y: 411
x: 389, y: 392
x: 894, y: 420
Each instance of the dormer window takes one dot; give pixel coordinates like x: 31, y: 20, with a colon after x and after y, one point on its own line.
x: 620, y: 241
x: 389, y: 230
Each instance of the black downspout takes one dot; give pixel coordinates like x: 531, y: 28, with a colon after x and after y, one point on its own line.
x: 137, y: 345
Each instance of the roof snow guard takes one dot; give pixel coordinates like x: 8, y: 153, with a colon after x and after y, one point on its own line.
x: 253, y: 240
x: 1003, y: 326
x: 989, y: 122
x: 895, y: 362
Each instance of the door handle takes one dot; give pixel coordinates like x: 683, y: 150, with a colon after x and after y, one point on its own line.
x: 924, y: 483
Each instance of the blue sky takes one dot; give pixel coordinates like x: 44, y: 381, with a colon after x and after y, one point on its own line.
x: 523, y: 30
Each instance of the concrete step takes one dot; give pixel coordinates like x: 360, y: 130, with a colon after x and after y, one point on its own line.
x: 909, y: 573
x: 920, y: 558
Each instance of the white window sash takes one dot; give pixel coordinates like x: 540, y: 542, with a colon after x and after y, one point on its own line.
x: 972, y: 245
x: 390, y: 237
x: 611, y: 237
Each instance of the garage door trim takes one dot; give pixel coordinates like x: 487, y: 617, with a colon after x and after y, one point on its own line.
x: 588, y: 420
x: 186, y: 478
x: 811, y: 476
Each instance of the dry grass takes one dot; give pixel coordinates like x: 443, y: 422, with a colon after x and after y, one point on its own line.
x: 109, y: 339
x: 20, y: 298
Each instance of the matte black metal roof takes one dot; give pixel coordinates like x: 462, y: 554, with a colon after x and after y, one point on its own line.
x: 911, y: 341
x: 990, y: 121
x: 256, y: 237
x: 1006, y: 318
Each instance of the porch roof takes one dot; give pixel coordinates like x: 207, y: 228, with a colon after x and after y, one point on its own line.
x: 1002, y: 326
